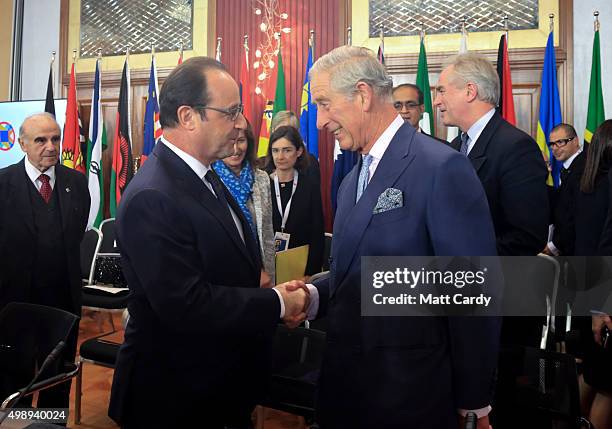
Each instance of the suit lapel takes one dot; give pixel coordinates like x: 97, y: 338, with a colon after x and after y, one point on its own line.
x: 200, y: 192
x: 356, y: 217
x: 20, y: 196
x: 63, y: 188
x: 478, y: 153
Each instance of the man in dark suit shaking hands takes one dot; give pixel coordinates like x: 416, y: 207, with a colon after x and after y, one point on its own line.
x: 401, y: 199
x: 507, y: 160
x: 197, y: 346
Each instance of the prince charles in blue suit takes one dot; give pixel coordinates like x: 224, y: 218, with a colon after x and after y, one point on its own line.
x: 408, y: 196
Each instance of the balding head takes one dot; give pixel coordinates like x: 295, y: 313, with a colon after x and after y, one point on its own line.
x: 39, y: 138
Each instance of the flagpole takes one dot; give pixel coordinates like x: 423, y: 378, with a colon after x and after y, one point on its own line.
x: 218, y: 49
x: 349, y: 36
x: 506, y: 30
x: 552, y: 22
x: 52, y: 58
x: 180, y: 51
x: 596, y: 23
x: 311, y: 40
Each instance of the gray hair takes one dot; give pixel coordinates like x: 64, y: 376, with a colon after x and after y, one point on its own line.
x: 348, y: 65
x: 36, y: 115
x: 286, y: 117
x: 476, y: 69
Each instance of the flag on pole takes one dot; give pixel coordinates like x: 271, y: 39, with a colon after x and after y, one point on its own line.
x: 152, y: 128
x: 122, y: 169
x: 506, y: 100
x: 453, y: 132
x: 71, y: 143
x: 245, y: 83
x: 595, y: 113
x: 344, y: 161
x: 49, y: 100
x: 95, y: 145
x: 550, y: 110
x: 308, y: 116
x: 381, y: 47
x: 422, y: 81
x: 264, y: 132
x: 280, y: 97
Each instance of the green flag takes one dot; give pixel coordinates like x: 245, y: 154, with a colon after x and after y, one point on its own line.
x: 422, y: 81
x: 595, y: 115
x: 280, y: 98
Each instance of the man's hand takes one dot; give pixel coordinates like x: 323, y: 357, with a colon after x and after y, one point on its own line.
x: 598, y: 321
x: 547, y: 251
x: 296, y: 299
x: 265, y: 280
x: 481, y: 423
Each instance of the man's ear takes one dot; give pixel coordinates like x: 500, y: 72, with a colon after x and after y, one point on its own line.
x: 365, y: 95
x: 471, y: 91
x: 186, y: 117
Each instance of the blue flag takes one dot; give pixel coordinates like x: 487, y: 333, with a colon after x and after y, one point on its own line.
x: 152, y: 128
x: 308, y: 115
x: 344, y: 161
x: 550, y: 111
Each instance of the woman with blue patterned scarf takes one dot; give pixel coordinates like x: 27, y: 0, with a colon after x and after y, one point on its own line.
x: 251, y: 190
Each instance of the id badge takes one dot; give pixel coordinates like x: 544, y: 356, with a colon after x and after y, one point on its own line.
x: 281, y: 241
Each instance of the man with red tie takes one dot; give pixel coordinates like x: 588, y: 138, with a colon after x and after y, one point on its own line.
x: 43, y: 214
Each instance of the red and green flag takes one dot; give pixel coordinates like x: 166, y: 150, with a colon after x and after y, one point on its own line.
x: 595, y: 113
x: 122, y: 169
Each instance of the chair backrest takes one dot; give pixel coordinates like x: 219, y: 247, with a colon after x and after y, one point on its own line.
x: 90, y: 245
x: 28, y: 333
x: 299, y: 346
x: 327, y: 251
x: 109, y: 238
x: 538, y: 383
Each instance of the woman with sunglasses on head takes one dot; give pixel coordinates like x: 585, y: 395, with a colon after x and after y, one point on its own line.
x: 297, y: 212
x: 250, y: 187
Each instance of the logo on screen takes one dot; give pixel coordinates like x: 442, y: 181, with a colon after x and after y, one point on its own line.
x: 7, y: 136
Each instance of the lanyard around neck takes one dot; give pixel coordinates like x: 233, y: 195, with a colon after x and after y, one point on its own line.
x: 284, y: 214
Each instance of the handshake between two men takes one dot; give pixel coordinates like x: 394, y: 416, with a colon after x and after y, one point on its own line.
x: 296, y: 298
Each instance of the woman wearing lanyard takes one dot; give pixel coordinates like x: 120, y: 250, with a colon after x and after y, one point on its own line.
x: 297, y: 213
x: 250, y: 187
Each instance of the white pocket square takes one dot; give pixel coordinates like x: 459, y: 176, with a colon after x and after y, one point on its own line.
x: 390, y: 199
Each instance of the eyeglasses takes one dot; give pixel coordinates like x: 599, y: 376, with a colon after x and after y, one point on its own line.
x: 407, y: 104
x: 232, y: 112
x: 561, y: 142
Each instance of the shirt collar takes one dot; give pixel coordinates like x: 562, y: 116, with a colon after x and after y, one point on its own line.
x: 478, y: 126
x: 34, y: 173
x: 568, y: 162
x: 198, y: 168
x: 381, y: 145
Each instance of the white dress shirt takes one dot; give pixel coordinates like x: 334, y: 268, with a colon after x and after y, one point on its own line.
x: 476, y: 129
x: 200, y: 170
x: 34, y: 174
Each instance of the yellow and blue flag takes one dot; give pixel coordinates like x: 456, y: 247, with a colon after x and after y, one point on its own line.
x: 308, y: 115
x: 550, y: 111
x: 152, y: 128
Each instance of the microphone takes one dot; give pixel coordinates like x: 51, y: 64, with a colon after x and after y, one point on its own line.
x: 470, y: 420
x: 48, y: 360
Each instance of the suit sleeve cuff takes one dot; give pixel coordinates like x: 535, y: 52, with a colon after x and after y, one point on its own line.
x: 282, y: 304
x: 313, y: 306
x: 481, y: 412
x: 553, y: 249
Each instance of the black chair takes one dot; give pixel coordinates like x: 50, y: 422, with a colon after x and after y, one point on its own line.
x: 327, y: 251
x: 537, y: 388
x: 109, y: 237
x: 90, y: 246
x: 28, y: 334
x: 297, y: 355
x: 97, y: 351
x: 108, y: 274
